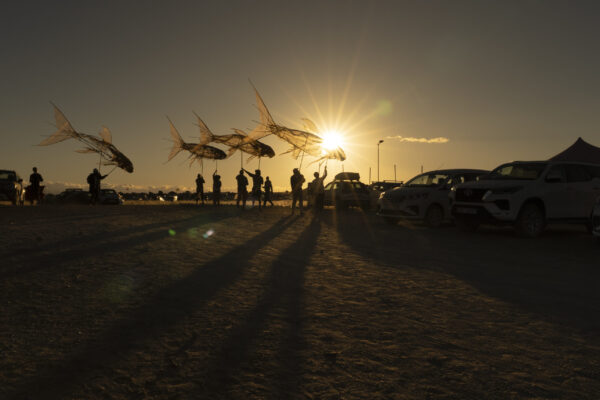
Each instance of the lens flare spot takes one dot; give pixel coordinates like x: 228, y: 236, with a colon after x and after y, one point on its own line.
x: 383, y: 107
x: 172, y: 232
x: 208, y: 233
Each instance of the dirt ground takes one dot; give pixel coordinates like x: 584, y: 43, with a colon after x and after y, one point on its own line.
x: 184, y: 302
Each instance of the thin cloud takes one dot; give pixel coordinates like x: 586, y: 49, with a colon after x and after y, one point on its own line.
x: 419, y: 140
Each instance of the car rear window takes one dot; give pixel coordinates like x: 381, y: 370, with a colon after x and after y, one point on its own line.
x: 7, y: 176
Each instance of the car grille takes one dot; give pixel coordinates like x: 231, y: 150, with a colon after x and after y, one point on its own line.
x: 470, y: 195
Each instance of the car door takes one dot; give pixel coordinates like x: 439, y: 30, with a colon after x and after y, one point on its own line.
x: 556, y: 194
x: 328, y: 191
x: 580, y: 186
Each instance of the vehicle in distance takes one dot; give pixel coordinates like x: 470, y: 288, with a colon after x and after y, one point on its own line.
x: 528, y: 195
x: 425, y: 197
x: 346, y: 190
x: 109, y: 196
x: 11, y: 187
x: 74, y: 196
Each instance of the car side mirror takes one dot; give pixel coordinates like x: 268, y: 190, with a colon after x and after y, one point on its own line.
x: 553, y: 177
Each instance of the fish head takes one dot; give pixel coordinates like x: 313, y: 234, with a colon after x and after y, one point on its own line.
x: 124, y: 163
x: 269, y: 152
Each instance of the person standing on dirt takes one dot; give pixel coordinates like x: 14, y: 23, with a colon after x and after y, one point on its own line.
x: 199, y: 189
x: 268, y: 192
x: 93, y: 180
x: 216, y: 189
x: 35, y: 179
x: 319, y: 190
x: 242, y: 190
x: 296, y: 181
x: 257, y: 182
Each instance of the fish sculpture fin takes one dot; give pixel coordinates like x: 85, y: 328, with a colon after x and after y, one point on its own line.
x: 55, y: 138
x: 309, y: 125
x: 177, y: 141
x: 106, y: 135
x: 206, y: 136
x: 250, y: 159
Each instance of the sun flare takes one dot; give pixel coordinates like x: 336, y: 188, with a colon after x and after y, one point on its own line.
x: 332, y: 140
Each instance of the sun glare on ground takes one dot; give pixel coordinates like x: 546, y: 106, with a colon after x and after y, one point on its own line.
x: 332, y: 140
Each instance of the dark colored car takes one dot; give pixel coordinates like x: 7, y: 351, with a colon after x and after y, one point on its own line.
x: 74, y: 196
x: 346, y: 190
x: 11, y: 187
x: 109, y: 196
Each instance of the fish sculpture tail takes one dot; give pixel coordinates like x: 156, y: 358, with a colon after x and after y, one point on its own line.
x: 177, y: 141
x: 65, y: 129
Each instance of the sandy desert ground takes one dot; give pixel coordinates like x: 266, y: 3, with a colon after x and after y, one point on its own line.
x: 182, y: 302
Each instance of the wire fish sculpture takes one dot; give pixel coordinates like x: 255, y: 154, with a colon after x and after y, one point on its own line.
x: 102, y: 146
x: 198, y: 151
x: 301, y: 141
x: 236, y: 141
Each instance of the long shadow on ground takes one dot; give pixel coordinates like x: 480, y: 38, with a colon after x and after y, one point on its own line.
x: 72, y: 238
x: 103, y: 243
x: 163, y: 310
x: 556, y: 275
x: 284, y: 289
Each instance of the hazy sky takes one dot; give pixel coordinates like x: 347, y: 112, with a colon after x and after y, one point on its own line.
x: 501, y: 80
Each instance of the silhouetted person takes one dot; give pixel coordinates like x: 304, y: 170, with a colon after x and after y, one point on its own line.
x: 216, y: 189
x: 35, y: 179
x: 296, y: 181
x: 268, y: 192
x: 93, y: 180
x: 199, y: 189
x: 257, y: 182
x: 319, y: 190
x: 242, y: 190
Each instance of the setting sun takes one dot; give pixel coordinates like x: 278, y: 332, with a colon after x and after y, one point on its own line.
x: 332, y: 140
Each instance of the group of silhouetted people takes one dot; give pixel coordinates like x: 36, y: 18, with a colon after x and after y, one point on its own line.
x: 316, y: 189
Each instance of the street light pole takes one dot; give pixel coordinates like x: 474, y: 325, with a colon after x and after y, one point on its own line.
x: 378, y: 143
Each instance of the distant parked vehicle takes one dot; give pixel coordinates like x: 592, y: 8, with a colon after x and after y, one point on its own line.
x: 382, y: 186
x: 595, y: 219
x: 11, y: 187
x: 74, y: 196
x: 109, y: 196
x: 528, y: 195
x: 424, y: 197
x: 346, y: 190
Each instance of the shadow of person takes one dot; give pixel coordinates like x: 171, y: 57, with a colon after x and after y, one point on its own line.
x: 284, y: 289
x: 162, y: 311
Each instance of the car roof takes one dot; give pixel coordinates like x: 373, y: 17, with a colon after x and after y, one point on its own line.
x: 553, y: 162
x: 454, y: 171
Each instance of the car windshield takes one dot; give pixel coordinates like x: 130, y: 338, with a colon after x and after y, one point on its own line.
x: 521, y: 171
x: 7, y: 176
x: 429, y: 179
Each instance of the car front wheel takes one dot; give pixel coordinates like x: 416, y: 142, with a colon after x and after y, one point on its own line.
x: 531, y: 221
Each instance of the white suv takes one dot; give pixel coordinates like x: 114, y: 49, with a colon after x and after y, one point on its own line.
x: 528, y: 195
